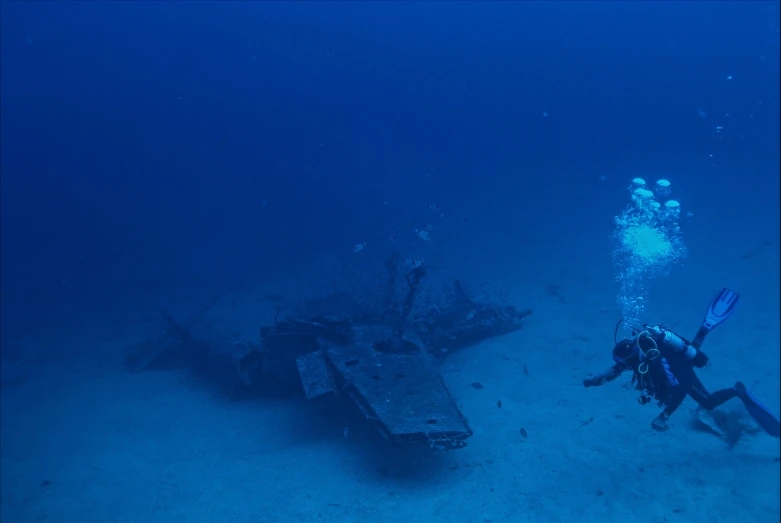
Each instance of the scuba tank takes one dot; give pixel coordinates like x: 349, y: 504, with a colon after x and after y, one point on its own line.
x: 668, y: 339
x: 660, y: 336
x: 672, y: 341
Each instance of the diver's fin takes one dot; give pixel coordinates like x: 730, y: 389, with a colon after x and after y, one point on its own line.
x: 766, y: 419
x: 719, y: 310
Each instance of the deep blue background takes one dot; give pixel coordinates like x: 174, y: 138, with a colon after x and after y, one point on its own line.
x: 145, y: 145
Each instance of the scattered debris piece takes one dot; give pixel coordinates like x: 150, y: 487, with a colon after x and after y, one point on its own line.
x: 423, y: 234
x: 584, y: 423
x: 554, y: 290
x: 756, y: 251
x: 413, y: 262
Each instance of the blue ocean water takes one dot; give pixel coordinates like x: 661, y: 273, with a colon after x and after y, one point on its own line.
x: 155, y: 154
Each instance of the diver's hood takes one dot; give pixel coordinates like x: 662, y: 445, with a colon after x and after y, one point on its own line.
x: 625, y: 353
x: 632, y: 353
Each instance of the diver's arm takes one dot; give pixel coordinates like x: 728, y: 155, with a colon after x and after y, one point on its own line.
x: 609, y: 375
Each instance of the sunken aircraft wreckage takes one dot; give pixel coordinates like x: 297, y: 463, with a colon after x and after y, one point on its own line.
x: 378, y: 350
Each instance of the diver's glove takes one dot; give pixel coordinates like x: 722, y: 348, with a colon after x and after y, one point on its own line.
x: 594, y: 382
x: 609, y: 375
x: 700, y: 359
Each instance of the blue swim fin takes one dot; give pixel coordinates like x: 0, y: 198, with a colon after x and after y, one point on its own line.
x: 766, y: 419
x: 719, y: 310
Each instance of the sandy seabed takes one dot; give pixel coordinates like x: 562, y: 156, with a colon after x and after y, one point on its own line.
x: 85, y: 441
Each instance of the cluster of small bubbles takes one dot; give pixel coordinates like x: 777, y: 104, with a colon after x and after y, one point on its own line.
x: 646, y: 243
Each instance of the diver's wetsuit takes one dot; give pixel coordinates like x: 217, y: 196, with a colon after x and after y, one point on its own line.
x: 670, y: 377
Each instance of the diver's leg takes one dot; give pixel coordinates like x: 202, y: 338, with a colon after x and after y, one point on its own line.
x: 677, y: 395
x: 709, y: 401
x: 694, y: 388
x: 683, y: 378
x: 676, y: 398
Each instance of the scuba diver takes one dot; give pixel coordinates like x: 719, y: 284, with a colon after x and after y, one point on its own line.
x: 663, y: 365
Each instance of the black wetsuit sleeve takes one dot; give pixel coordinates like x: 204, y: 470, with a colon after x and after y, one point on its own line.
x: 609, y: 375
